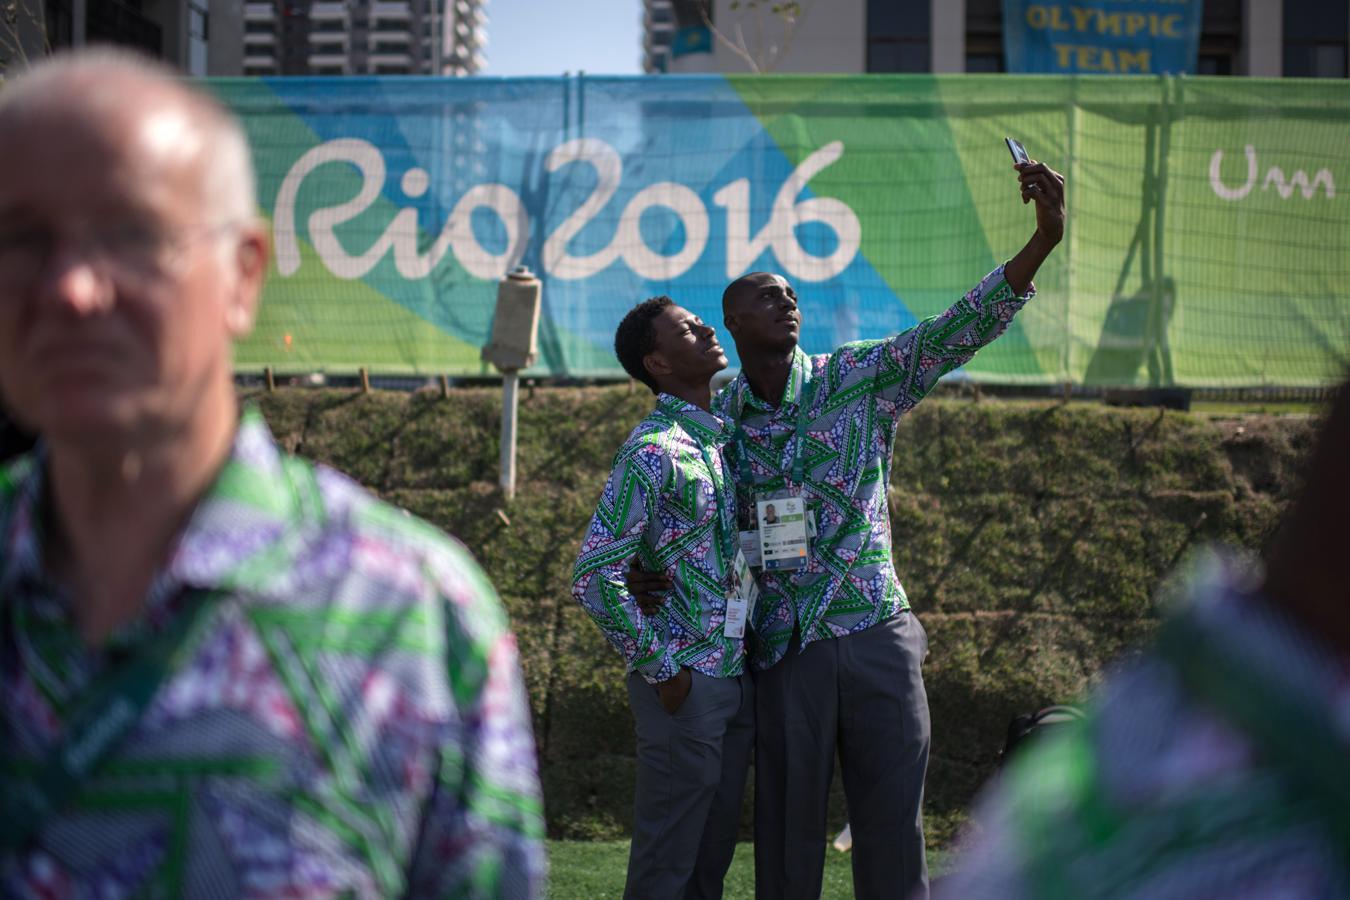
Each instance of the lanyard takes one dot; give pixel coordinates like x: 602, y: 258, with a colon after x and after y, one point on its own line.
x: 96, y: 729
x: 726, y: 506
x: 798, y: 462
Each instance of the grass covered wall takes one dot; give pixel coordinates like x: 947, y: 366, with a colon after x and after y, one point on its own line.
x: 1031, y: 538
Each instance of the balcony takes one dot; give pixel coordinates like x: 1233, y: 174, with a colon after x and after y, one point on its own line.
x: 259, y: 12
x: 260, y: 39
x: 329, y: 38
x: 658, y: 17
x: 390, y: 36
x: 327, y: 12
x: 390, y: 60
x: 392, y: 12
x: 328, y: 60
x: 264, y: 62
x: 468, y: 12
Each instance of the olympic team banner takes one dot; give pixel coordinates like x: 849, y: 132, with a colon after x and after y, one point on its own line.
x: 1205, y: 245
x: 1102, y: 37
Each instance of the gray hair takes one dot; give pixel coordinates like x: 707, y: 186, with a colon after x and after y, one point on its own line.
x: 229, y: 187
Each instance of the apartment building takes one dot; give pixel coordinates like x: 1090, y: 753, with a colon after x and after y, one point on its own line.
x: 177, y: 31
x: 350, y: 37
x: 1264, y: 38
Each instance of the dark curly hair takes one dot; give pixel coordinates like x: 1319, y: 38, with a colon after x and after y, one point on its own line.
x: 636, y: 337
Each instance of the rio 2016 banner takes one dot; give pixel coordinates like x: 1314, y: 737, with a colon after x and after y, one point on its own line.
x: 1205, y: 241
x: 1111, y: 37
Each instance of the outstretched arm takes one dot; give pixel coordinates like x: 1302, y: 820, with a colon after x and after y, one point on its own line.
x: 908, y: 366
x: 1045, y: 187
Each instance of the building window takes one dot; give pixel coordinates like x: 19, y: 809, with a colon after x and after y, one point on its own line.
x: 1220, y: 37
x: 898, y: 36
x: 198, y: 24
x: 1315, y: 38
x: 60, y: 21
x: 984, y: 36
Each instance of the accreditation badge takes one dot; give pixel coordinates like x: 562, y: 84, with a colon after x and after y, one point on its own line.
x: 741, y: 598
x: 784, y: 540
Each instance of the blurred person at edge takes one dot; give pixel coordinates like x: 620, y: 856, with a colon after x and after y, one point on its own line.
x: 1214, y: 766
x: 226, y: 672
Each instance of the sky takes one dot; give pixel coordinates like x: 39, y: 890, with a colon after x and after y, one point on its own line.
x: 547, y: 37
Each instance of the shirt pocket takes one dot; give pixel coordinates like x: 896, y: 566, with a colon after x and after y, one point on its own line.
x: 690, y: 496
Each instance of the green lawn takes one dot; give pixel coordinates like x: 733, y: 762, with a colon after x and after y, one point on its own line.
x: 594, y: 870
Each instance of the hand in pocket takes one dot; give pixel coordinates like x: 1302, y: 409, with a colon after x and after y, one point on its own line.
x: 674, y: 691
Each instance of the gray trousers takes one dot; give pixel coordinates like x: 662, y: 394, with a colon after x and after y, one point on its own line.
x: 863, y: 695
x: 691, y: 770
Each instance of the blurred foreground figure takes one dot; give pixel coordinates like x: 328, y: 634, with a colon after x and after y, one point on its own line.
x: 226, y: 672
x: 1215, y: 766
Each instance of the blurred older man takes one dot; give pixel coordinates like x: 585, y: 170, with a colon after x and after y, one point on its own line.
x: 226, y: 672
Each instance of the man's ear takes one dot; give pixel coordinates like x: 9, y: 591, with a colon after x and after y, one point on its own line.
x: 250, y: 260
x: 732, y: 322
x: 656, y: 363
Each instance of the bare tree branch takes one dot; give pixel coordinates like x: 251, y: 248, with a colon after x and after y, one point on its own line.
x: 16, y: 18
x: 765, y: 56
x: 737, y: 48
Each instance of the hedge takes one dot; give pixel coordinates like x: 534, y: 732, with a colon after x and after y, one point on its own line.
x: 1031, y: 538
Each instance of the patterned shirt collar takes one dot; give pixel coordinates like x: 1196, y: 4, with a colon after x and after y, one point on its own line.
x: 209, y: 552
x: 22, y: 558
x: 798, y: 377
x: 699, y: 422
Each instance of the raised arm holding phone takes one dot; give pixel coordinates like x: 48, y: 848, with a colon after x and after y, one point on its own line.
x: 835, y: 649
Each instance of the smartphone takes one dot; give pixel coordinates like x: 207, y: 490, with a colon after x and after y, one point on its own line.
x: 1019, y: 153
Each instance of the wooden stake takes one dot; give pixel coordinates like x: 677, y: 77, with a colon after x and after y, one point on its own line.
x: 445, y: 387
x: 365, y: 380
x: 271, y: 381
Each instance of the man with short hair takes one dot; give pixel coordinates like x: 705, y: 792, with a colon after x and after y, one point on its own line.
x: 669, y: 502
x: 835, y: 649
x: 226, y: 672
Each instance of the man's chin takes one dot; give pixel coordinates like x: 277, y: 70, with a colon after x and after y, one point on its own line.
x: 92, y: 419
x: 715, y: 365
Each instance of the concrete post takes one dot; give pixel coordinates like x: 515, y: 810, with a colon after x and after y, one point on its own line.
x: 510, y: 385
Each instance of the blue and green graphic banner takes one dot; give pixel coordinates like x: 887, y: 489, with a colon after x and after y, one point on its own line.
x: 1205, y: 242
x: 1101, y: 37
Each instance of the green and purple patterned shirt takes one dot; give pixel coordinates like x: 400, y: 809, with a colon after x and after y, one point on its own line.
x: 669, y: 501
x: 352, y: 721
x: 1212, y: 766
x: 857, y: 395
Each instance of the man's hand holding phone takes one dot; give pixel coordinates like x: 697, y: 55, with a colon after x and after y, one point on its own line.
x: 1045, y: 186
